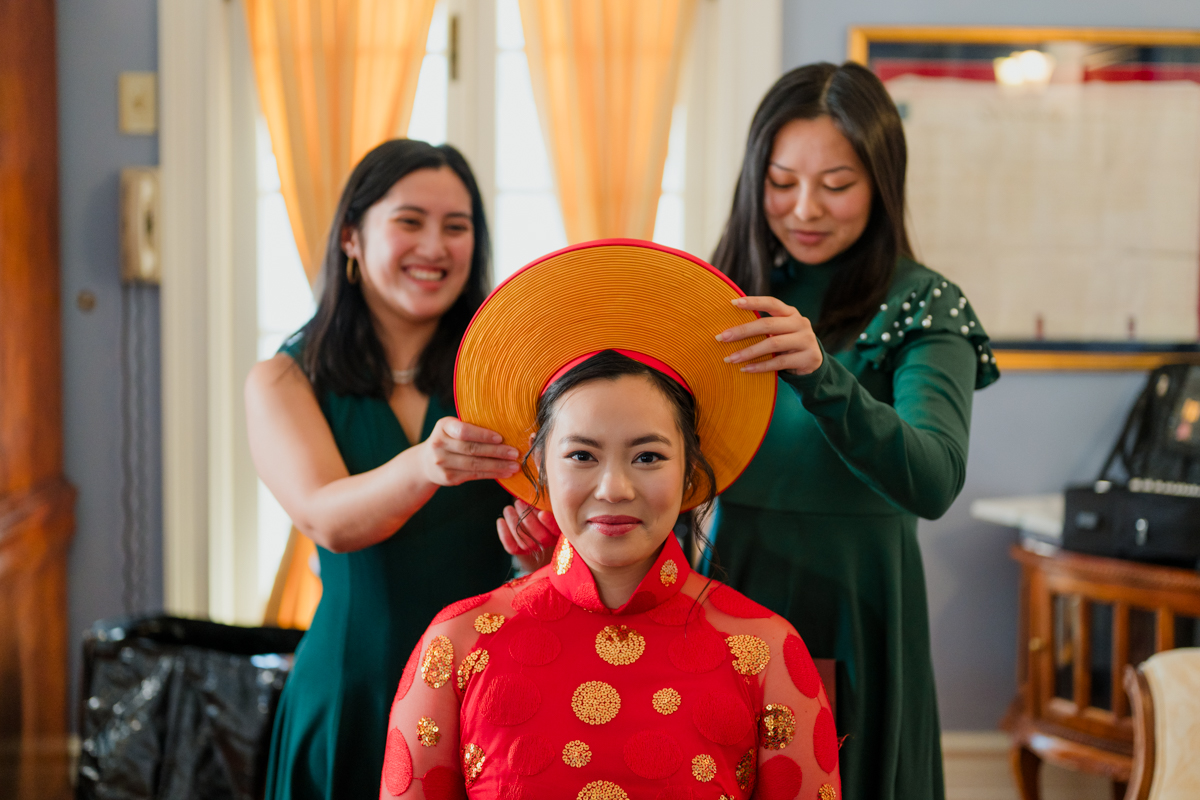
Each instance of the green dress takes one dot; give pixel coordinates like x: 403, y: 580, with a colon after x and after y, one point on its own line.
x: 822, y: 527
x: 331, y: 726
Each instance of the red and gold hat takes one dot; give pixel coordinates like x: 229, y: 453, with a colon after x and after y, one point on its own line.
x: 658, y: 305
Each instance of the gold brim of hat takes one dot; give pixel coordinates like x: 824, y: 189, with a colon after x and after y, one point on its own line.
x: 614, y: 294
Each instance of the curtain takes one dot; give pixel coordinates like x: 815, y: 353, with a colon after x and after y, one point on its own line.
x: 335, y: 78
x: 605, y: 74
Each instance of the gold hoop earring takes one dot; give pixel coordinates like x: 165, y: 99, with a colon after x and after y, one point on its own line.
x: 351, y: 271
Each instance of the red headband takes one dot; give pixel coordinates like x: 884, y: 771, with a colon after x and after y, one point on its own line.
x: 649, y: 361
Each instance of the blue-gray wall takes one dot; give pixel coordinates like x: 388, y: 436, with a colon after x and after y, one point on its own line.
x: 97, y: 39
x: 1031, y: 433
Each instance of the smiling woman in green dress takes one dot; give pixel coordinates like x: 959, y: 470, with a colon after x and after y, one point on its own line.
x: 352, y: 428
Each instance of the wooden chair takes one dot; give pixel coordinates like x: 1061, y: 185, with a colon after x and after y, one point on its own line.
x: 1165, y: 694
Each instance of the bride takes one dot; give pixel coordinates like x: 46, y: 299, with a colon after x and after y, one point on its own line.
x: 615, y: 671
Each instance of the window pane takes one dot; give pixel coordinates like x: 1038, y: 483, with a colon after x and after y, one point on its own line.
x: 509, y: 34
x: 438, y: 40
x: 673, y: 169
x: 527, y: 226
x: 284, y: 300
x: 668, y: 225
x: 273, y: 528
x: 264, y: 158
x: 521, y: 159
x: 428, y: 120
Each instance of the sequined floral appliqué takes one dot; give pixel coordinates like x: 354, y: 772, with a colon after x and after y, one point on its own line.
x: 666, y: 701
x: 473, y: 664
x: 595, y: 702
x: 777, y: 727
x: 668, y: 573
x: 576, y: 754
x: 619, y: 645
x: 750, y: 654
x: 427, y: 732
x: 438, y: 663
x: 488, y: 623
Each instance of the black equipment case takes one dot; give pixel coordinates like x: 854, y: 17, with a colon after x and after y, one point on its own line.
x: 1146, y: 503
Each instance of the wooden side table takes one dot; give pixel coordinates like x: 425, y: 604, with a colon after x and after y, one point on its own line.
x: 1082, y: 620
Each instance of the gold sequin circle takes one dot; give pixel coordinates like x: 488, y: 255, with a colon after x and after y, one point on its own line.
x: 601, y: 790
x: 427, y: 732
x: 438, y: 664
x: 576, y: 754
x: 668, y: 573
x: 777, y: 727
x: 488, y: 623
x: 704, y: 768
x: 827, y: 792
x: 744, y: 773
x: 473, y: 664
x: 562, y: 562
x: 619, y: 645
x: 666, y: 701
x: 472, y: 760
x: 595, y: 702
x: 750, y: 654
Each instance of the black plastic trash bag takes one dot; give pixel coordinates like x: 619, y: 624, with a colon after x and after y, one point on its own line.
x: 175, y: 709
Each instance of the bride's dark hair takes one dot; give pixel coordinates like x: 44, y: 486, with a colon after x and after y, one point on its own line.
x: 609, y: 365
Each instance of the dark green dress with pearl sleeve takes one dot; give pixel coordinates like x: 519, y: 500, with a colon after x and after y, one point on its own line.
x: 822, y: 527
x: 331, y: 726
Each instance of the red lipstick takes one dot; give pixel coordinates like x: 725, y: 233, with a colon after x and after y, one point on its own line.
x: 614, y: 525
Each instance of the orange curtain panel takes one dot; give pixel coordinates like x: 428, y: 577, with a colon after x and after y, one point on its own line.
x: 335, y: 78
x: 605, y: 74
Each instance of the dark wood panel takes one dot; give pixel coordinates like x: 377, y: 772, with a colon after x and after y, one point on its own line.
x: 36, y: 503
x: 30, y: 349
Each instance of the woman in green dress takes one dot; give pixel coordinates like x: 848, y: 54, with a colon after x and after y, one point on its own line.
x: 878, y: 357
x: 352, y: 428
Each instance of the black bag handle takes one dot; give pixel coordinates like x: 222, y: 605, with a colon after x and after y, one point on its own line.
x: 1133, y: 432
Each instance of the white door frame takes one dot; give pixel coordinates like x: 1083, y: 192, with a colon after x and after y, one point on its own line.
x: 208, y: 309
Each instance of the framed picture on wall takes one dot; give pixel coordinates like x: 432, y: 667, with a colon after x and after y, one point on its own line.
x: 1054, y: 173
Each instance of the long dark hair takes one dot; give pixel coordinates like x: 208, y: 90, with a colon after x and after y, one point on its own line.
x: 609, y: 365
x: 342, y: 352
x: 859, y: 105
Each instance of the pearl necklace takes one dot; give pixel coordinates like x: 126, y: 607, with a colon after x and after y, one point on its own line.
x: 404, y: 376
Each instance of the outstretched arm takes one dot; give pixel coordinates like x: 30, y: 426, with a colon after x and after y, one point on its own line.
x: 297, y: 458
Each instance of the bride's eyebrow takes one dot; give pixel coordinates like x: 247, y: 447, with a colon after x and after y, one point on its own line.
x: 583, y: 440
x: 648, y: 438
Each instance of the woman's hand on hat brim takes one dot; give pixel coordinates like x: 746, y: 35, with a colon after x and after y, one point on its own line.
x: 524, y: 530
x: 791, y: 343
x: 457, y: 452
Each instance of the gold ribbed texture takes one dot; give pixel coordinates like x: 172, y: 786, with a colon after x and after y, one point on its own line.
x: 622, y: 296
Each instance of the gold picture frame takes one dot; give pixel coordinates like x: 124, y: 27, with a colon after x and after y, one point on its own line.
x: 1047, y: 355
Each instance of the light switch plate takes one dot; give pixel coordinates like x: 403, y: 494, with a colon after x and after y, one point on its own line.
x: 137, y: 102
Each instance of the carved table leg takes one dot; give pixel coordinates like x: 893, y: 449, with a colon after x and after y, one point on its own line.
x: 1025, y: 766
